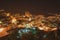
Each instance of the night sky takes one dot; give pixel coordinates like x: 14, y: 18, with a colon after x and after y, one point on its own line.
x: 34, y: 6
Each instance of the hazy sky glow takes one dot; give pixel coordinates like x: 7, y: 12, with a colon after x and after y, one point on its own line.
x: 33, y: 6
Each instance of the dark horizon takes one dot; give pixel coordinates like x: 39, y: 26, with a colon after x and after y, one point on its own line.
x: 32, y: 6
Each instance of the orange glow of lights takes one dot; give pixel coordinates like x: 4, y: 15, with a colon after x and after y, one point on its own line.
x: 14, y: 21
x: 0, y: 22
x: 40, y: 28
x: 8, y: 14
x: 3, y: 32
x: 1, y: 29
x: 54, y: 29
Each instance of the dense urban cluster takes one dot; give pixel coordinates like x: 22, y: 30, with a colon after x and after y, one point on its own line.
x: 29, y: 27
